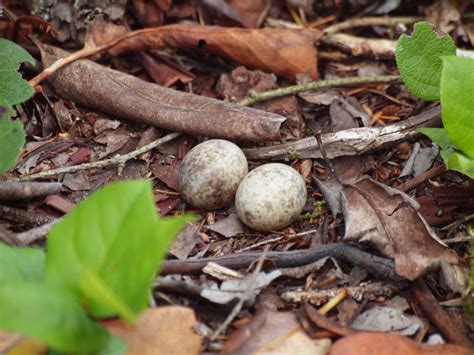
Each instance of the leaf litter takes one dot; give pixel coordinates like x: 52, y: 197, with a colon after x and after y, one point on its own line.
x: 227, y: 58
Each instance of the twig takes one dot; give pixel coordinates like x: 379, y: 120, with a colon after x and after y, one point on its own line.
x: 83, y: 53
x: 19, y: 191
x: 32, y: 235
x: 437, y: 315
x: 325, y: 323
x: 254, y: 97
x: 119, y: 160
x: 417, y: 180
x: 371, y: 21
x: 22, y: 216
x: 366, y: 291
x: 242, y: 298
x: 378, y: 266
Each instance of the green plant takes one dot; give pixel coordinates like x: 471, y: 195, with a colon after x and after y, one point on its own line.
x: 316, y: 213
x: 100, y: 262
x: 13, y: 90
x: 429, y: 67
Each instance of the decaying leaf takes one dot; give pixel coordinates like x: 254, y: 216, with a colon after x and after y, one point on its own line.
x: 391, y: 344
x: 388, y: 220
x: 229, y: 226
x: 387, y: 319
x: 285, y: 52
x: 163, y: 330
x: 231, y: 289
x: 274, y: 333
x: 126, y: 96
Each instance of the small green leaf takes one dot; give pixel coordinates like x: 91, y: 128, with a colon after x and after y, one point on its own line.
x: 438, y: 135
x: 457, y: 102
x: 419, y: 62
x: 115, y: 235
x: 12, y: 139
x: 51, y: 315
x: 13, y: 89
x: 19, y: 265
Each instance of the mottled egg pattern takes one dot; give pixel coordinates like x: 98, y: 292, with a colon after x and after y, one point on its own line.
x: 211, y: 173
x: 270, y: 197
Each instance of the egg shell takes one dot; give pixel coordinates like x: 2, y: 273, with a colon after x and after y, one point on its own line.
x: 270, y: 197
x: 211, y: 173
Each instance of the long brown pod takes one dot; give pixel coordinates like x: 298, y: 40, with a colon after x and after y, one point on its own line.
x: 125, y: 96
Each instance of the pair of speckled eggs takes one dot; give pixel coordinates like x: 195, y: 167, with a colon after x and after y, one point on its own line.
x: 270, y: 197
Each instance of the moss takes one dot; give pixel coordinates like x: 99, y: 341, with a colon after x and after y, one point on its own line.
x: 292, y: 154
x: 317, y: 212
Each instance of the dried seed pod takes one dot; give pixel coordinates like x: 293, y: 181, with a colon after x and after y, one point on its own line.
x: 270, y: 197
x: 211, y: 173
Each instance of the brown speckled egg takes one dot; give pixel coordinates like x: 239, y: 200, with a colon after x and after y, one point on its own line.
x: 211, y: 173
x: 270, y: 197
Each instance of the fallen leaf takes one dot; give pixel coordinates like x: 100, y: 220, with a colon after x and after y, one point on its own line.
x: 285, y: 52
x: 168, y: 173
x: 122, y: 95
x: 236, y: 86
x: 163, y: 71
x: 274, y: 333
x: 391, y: 344
x: 228, y: 227
x: 231, y: 289
x: 185, y: 241
x: 250, y: 11
x: 388, y: 220
x: 163, y: 330
x: 386, y: 319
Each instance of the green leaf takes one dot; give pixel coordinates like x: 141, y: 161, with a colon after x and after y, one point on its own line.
x: 438, y: 135
x: 12, y: 139
x: 19, y: 265
x: 419, y: 62
x: 115, y: 236
x: 115, y: 346
x: 457, y: 102
x: 51, y: 315
x: 459, y: 162
x: 13, y: 89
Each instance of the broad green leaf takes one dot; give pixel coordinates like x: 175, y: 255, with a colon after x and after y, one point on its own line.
x: 114, y: 234
x: 12, y: 139
x: 6, y: 111
x: 459, y: 162
x: 438, y: 135
x: 114, y: 346
x: 13, y: 89
x: 457, y: 102
x: 419, y: 62
x: 19, y: 265
x: 50, y: 314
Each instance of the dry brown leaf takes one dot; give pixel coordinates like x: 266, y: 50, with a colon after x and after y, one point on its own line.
x: 391, y: 344
x: 285, y: 52
x: 122, y: 95
x: 250, y: 11
x: 388, y: 220
x: 163, y: 330
x: 274, y: 333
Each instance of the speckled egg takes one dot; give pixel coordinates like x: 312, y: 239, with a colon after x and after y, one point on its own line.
x: 270, y: 197
x: 211, y: 173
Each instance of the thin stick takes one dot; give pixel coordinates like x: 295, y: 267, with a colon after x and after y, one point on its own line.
x: 254, y: 97
x: 242, y: 298
x: 371, y: 21
x: 437, y: 315
x: 119, y: 160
